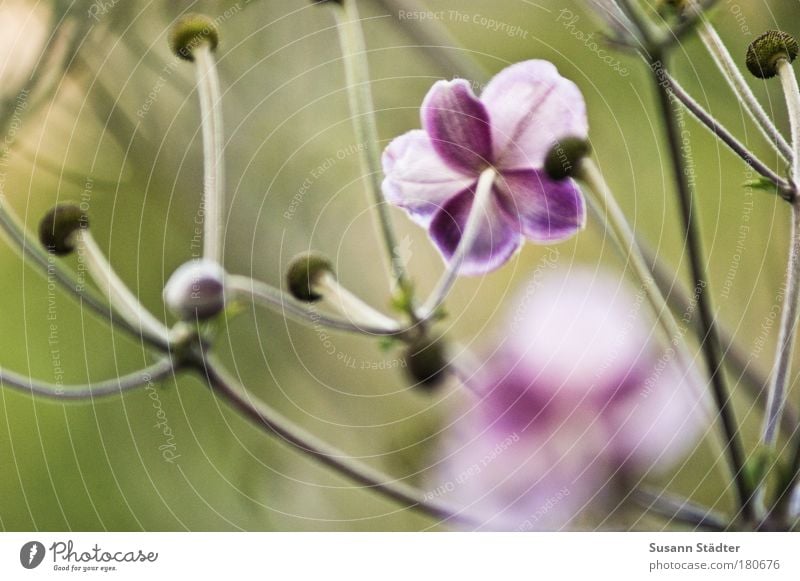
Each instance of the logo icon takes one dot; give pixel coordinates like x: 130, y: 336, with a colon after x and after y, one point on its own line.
x: 31, y: 554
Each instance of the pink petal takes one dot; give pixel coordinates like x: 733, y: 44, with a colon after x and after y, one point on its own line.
x: 547, y: 210
x: 531, y: 107
x: 458, y: 125
x: 417, y: 179
x: 498, y: 237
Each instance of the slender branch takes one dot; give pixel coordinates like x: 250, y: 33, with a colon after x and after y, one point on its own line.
x: 120, y: 297
x: 213, y: 160
x: 786, y: 339
x: 737, y: 360
x: 628, y: 247
x: 362, y: 110
x: 792, y: 92
x: 678, y: 509
x: 724, y: 135
x: 710, y: 345
x: 352, y: 306
x: 480, y: 206
x: 149, y: 375
x: 50, y: 268
x: 273, y: 423
x: 258, y: 292
x: 722, y: 57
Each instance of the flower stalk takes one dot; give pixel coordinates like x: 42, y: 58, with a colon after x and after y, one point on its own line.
x: 354, y: 55
x: 208, y: 90
x: 480, y: 207
x: 120, y: 297
x: 788, y: 328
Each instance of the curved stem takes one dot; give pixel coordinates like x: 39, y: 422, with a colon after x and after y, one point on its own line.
x: 213, y: 160
x: 792, y: 93
x: 264, y: 294
x: 710, y: 345
x: 273, y: 423
x: 352, y: 306
x: 120, y: 297
x: 480, y: 206
x: 786, y: 339
x: 49, y: 267
x: 354, y: 54
x: 724, y: 135
x: 629, y: 248
x: 149, y: 375
x: 722, y: 57
x: 682, y: 510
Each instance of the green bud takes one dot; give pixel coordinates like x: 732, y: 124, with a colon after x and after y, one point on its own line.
x: 565, y: 157
x: 304, y: 274
x: 767, y: 50
x: 189, y: 32
x: 426, y: 362
x: 58, y: 227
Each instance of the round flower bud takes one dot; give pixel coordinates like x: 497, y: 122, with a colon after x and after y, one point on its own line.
x: 196, y: 290
x: 564, y: 158
x: 426, y: 362
x: 58, y: 228
x: 190, y: 31
x: 303, y: 275
x: 764, y: 53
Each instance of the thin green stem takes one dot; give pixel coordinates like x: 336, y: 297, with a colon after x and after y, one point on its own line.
x: 122, y: 300
x: 480, y: 207
x: 724, y: 61
x: 792, y: 93
x: 710, y: 343
x: 351, y: 306
x: 362, y: 110
x: 628, y: 247
x: 210, y: 96
x: 157, y: 372
x: 273, y: 423
x: 261, y: 293
x: 717, y: 129
x: 49, y: 267
x: 776, y: 397
x: 676, y: 509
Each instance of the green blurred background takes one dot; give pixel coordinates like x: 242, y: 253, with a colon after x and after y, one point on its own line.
x: 99, y: 466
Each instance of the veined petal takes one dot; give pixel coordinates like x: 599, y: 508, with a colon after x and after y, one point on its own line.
x: 531, y: 107
x: 417, y: 179
x: 458, y: 125
x: 497, y: 240
x: 547, y: 210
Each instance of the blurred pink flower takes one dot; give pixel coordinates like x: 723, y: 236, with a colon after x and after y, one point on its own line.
x: 576, y: 401
x: 433, y: 173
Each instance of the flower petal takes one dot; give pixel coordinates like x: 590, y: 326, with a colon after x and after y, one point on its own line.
x: 458, y: 125
x: 497, y: 240
x: 547, y: 210
x: 417, y: 179
x: 531, y: 107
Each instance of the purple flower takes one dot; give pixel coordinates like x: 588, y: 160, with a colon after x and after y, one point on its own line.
x: 575, y: 402
x: 433, y: 173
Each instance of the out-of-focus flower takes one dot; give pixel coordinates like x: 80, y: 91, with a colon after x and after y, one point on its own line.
x: 577, y: 402
x: 433, y: 173
x: 24, y: 28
